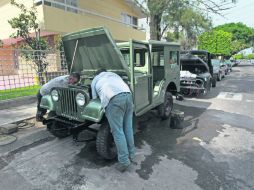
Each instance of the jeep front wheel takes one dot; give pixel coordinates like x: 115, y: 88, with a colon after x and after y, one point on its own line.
x: 105, y: 142
x: 56, y: 128
x: 164, y: 110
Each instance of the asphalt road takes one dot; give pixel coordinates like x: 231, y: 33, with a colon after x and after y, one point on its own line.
x: 214, y: 151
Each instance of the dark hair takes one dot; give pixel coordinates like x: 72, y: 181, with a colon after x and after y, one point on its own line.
x: 100, y: 71
x: 76, y: 75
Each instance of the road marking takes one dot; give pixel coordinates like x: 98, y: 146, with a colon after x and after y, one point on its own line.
x: 230, y: 96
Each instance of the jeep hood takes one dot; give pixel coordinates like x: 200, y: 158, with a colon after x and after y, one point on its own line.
x: 88, y: 50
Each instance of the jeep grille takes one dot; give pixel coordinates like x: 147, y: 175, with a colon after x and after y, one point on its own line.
x: 67, y: 103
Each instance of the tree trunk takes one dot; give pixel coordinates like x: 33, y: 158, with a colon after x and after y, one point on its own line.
x: 155, y: 28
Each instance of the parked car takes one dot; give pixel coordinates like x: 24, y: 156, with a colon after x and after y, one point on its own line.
x: 218, y: 69
x: 225, y: 66
x: 206, y: 57
x: 195, y: 78
x: 153, y: 82
x: 234, y: 62
x: 229, y: 65
x: 237, y: 62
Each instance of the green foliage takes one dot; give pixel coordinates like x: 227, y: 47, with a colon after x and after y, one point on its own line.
x: 166, y: 15
x: 24, y: 23
x: 250, y: 56
x: 216, y: 42
x: 239, y: 31
x: 19, y: 92
x: 1, y: 43
x: 242, y: 35
x: 187, y: 22
x: 238, y: 56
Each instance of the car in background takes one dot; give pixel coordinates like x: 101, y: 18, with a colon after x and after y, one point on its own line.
x: 206, y: 57
x: 195, y: 76
x: 229, y: 65
x: 234, y: 62
x: 218, y: 69
x: 237, y: 62
x: 225, y: 67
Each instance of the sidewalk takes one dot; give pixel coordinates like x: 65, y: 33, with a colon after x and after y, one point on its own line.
x: 18, y: 110
x: 21, y: 109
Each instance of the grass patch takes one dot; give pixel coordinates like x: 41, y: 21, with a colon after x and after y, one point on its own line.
x: 19, y: 92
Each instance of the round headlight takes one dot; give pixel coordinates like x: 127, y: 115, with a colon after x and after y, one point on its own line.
x: 80, y: 99
x: 55, y: 95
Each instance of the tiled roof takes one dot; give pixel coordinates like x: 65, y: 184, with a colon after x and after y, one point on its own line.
x: 12, y: 41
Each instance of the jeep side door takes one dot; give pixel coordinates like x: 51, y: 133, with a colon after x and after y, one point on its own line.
x: 140, y: 65
x: 172, y: 64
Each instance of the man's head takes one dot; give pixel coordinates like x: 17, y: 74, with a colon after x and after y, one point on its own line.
x: 74, y: 78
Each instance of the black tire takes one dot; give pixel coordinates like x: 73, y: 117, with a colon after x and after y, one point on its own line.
x: 164, y: 110
x: 207, y: 89
x: 56, y: 128
x: 105, y: 145
x: 214, y: 82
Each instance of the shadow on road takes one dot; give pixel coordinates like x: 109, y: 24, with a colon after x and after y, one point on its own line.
x: 149, y: 129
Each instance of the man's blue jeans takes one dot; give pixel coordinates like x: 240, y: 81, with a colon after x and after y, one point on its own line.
x: 119, y: 113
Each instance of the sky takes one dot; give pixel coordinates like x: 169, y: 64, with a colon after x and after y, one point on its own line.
x: 242, y: 11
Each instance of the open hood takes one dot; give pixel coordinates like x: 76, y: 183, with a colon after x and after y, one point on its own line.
x: 194, y: 61
x: 88, y: 50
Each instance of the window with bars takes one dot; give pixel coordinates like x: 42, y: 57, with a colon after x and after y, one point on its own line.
x: 67, y: 5
x: 129, y: 20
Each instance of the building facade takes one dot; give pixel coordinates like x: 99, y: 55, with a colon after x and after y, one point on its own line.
x: 64, y: 16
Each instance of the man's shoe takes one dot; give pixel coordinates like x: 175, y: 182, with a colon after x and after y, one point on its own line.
x: 121, y: 167
x: 39, y: 117
x: 133, y: 161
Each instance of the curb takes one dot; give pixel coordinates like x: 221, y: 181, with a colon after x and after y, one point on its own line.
x: 5, y: 104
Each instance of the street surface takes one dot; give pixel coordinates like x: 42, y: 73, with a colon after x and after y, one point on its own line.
x: 214, y: 151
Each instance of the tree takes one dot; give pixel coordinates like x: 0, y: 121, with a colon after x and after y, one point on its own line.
x: 250, y: 56
x: 187, y: 23
x: 158, y: 8
x: 238, y: 56
x: 216, y: 42
x: 25, y: 24
x: 243, y: 36
x: 1, y: 43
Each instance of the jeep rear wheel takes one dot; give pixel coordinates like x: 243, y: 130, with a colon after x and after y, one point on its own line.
x: 56, y: 128
x: 164, y: 110
x: 105, y: 144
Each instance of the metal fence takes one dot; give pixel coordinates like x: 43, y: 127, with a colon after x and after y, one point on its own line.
x: 22, y: 72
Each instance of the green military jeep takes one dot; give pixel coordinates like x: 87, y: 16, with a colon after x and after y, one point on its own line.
x: 151, y: 69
